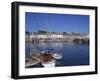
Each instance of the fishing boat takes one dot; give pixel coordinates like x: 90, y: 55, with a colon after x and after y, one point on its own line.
x: 46, y: 57
x: 48, y: 61
x: 31, y: 62
x: 34, y: 59
x: 49, y: 64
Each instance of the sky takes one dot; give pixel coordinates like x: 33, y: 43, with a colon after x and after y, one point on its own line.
x: 56, y: 22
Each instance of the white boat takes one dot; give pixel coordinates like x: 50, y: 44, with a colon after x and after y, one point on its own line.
x: 49, y: 64
x: 57, y: 56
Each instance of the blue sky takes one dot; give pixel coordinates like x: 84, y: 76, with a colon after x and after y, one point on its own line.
x: 56, y: 22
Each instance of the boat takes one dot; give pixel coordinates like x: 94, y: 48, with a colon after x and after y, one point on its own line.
x: 48, y: 61
x: 57, y: 56
x: 50, y: 64
x: 46, y: 57
x: 31, y: 62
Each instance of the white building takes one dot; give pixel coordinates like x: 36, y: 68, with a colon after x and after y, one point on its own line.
x: 46, y: 35
x: 56, y: 35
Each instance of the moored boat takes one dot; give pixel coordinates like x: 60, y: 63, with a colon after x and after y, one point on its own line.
x: 46, y: 58
x: 31, y: 62
x: 57, y: 56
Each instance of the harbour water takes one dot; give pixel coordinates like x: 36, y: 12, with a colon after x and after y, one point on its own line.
x: 73, y: 54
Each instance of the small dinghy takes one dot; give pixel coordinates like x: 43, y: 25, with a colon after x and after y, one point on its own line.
x: 57, y: 56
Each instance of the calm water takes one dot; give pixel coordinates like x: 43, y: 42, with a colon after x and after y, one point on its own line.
x: 72, y: 54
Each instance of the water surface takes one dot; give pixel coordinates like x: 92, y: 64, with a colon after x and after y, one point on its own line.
x: 73, y: 54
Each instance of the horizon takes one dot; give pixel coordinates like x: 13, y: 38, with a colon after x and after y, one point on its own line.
x: 58, y: 32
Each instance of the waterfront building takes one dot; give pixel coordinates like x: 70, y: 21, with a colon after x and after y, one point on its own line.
x: 55, y: 36
x: 50, y: 35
